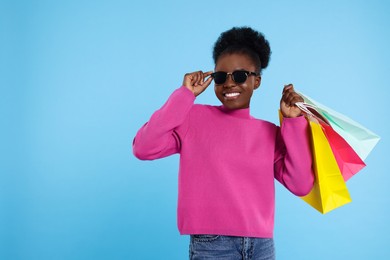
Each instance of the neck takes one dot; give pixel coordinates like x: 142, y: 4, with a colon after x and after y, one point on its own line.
x: 240, y: 113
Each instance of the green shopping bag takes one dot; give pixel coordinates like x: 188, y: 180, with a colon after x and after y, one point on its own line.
x: 358, y: 137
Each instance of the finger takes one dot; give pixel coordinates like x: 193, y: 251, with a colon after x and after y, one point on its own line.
x: 208, y: 73
x: 199, y: 76
x: 287, y: 87
x: 187, y: 79
x: 286, y: 98
x: 289, y: 90
x: 194, y: 79
x: 203, y: 86
x: 207, y: 82
x: 289, y: 98
x: 292, y: 98
x: 208, y: 76
x: 284, y: 105
x: 296, y: 98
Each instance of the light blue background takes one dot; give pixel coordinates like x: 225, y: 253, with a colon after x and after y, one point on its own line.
x: 79, y: 78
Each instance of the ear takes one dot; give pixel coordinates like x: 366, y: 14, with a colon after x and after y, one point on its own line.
x: 257, y: 82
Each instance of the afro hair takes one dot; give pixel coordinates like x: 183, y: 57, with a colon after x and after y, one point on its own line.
x: 244, y: 40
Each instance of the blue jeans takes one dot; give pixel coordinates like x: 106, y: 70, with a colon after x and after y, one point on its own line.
x: 231, y: 248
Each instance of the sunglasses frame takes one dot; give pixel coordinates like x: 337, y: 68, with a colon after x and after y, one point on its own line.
x: 247, y: 74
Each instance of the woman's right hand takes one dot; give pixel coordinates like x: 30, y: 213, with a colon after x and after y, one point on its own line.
x: 197, y: 81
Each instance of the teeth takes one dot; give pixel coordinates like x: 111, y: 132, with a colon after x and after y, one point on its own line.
x: 232, y: 94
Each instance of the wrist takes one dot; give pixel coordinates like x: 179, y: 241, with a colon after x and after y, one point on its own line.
x: 188, y: 89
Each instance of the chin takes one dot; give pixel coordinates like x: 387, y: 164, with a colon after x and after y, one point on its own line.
x: 238, y: 103
x: 232, y: 105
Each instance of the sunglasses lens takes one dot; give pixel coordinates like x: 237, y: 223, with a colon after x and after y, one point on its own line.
x: 239, y: 76
x: 219, y: 77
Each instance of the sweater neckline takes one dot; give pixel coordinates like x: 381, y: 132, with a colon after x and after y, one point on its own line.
x: 239, y: 113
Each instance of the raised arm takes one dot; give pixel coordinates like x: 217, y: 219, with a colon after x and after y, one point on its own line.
x: 293, y: 161
x: 158, y: 138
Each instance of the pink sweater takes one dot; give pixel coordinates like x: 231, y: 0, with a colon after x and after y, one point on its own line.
x: 228, y: 162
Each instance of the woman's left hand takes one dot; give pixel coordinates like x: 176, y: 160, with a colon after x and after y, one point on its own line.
x: 288, y: 100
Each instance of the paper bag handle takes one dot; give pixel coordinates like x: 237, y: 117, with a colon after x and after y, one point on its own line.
x: 311, y: 111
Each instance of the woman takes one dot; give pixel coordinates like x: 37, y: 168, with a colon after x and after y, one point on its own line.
x: 229, y: 159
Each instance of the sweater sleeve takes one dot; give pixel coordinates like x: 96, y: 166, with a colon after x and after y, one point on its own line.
x: 293, y: 161
x: 158, y: 138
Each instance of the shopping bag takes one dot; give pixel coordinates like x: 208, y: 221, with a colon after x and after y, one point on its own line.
x: 329, y: 191
x: 347, y: 159
x: 358, y: 137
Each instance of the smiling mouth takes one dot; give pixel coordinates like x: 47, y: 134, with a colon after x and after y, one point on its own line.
x: 231, y: 95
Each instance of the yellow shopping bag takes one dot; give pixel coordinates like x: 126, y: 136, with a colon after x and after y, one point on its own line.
x: 329, y: 191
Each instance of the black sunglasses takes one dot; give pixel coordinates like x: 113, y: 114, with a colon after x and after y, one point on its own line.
x: 238, y: 76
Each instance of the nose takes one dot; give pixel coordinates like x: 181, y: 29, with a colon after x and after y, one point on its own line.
x: 229, y: 81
